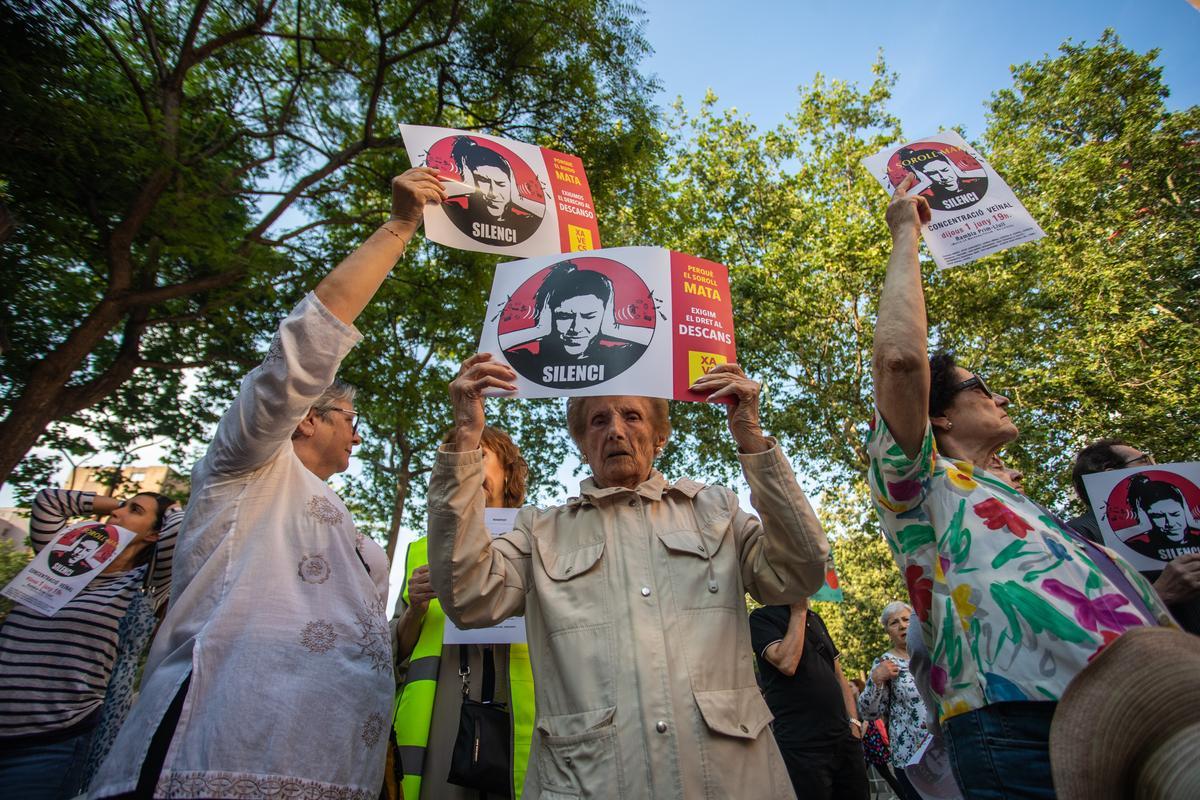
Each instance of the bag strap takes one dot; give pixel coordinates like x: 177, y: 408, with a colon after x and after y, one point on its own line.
x: 489, y: 676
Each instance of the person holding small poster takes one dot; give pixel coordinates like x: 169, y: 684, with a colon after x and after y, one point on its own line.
x: 633, y: 594
x: 55, y: 670
x: 1012, y: 603
x: 1178, y: 581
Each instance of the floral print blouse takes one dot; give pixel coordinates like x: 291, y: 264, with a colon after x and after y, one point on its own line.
x: 1011, y: 605
x: 899, y: 704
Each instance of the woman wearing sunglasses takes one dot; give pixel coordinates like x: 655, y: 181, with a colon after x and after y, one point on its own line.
x: 1011, y: 603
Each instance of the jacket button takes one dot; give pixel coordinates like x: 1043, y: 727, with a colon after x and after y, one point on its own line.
x: 633, y: 503
x: 712, y: 587
x: 645, y: 591
x: 660, y: 726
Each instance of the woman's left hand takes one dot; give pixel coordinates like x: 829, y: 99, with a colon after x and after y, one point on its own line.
x: 728, y: 381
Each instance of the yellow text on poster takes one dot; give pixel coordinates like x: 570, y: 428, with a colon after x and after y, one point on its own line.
x: 581, y: 238
x: 699, y: 363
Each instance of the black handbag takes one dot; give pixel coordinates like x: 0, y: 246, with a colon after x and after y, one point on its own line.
x: 484, y: 744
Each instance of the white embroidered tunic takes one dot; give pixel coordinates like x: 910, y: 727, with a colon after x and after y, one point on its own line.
x: 277, y: 609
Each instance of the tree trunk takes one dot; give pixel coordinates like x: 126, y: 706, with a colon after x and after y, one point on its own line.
x: 398, y: 500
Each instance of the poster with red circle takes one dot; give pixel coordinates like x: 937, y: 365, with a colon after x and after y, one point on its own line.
x: 66, y: 565
x: 632, y: 320
x: 973, y: 212
x: 1150, y: 514
x: 504, y: 196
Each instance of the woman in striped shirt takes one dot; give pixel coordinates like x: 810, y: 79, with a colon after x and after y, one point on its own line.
x: 54, y: 671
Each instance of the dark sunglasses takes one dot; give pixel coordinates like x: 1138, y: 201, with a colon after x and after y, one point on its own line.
x: 974, y: 382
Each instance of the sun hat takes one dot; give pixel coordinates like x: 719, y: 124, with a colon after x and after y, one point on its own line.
x: 1128, y: 725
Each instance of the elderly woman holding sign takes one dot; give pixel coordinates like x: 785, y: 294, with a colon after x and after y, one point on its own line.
x: 1012, y: 603
x: 633, y: 594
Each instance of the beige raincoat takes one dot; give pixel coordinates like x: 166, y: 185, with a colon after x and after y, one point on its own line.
x: 638, y: 634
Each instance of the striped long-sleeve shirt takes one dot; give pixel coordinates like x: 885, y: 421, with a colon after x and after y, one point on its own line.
x: 54, y: 671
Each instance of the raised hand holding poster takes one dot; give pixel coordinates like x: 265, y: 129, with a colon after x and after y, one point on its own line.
x: 505, y: 196
x: 65, y: 566
x: 1150, y: 515
x: 974, y: 212
x: 629, y: 320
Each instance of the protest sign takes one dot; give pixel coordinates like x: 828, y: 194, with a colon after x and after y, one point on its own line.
x: 1150, y: 515
x: 505, y: 196
x: 66, y: 565
x: 831, y: 590
x: 974, y: 213
x: 512, y: 630
x: 629, y: 320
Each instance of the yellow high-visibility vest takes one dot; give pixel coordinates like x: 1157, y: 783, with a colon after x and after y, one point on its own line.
x: 414, y: 702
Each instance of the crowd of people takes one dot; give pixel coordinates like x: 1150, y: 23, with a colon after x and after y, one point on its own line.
x: 277, y: 672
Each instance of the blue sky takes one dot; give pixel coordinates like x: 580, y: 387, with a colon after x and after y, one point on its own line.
x: 950, y: 56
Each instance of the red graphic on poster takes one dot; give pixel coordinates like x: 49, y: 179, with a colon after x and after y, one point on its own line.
x: 577, y: 226
x: 82, y: 549
x: 703, y: 320
x: 952, y: 178
x: 1155, y: 510
x: 506, y: 203
x: 589, y: 319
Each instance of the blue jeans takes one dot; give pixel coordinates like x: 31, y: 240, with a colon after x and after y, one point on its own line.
x: 1002, y: 751
x: 52, y: 771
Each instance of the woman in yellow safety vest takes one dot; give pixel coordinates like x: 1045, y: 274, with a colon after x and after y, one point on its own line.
x: 427, y: 707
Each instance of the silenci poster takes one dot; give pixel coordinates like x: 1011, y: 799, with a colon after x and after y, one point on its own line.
x: 974, y: 213
x: 66, y: 565
x: 1150, y: 515
x: 629, y: 320
x: 505, y: 196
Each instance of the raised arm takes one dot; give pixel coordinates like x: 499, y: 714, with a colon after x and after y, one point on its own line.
x: 52, y: 508
x: 901, y: 362
x: 478, y: 580
x: 783, y: 550
x: 785, y: 654
x: 309, y: 347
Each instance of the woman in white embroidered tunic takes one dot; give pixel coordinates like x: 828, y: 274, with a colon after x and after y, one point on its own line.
x: 276, y: 654
x: 891, y: 695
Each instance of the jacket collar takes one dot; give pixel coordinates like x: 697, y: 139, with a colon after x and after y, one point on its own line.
x: 653, y: 488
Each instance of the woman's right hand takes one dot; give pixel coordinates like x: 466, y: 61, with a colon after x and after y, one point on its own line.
x: 411, y: 192
x: 420, y: 589
x: 477, y: 374
x: 884, y: 672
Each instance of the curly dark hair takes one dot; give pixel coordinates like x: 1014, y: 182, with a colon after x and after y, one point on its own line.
x: 942, y: 380
x: 1099, y: 456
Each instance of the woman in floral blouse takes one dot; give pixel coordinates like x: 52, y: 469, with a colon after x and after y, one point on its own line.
x: 1011, y: 603
x: 891, y: 695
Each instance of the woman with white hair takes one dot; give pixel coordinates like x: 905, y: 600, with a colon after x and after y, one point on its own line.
x: 633, y: 594
x: 891, y: 695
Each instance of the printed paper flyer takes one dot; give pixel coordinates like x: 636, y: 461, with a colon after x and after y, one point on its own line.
x: 506, y: 197
x: 1149, y: 515
x: 630, y: 320
x: 65, y: 566
x: 974, y: 212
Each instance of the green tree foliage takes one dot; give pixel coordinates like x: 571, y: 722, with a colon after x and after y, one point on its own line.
x: 1097, y: 327
x: 12, y: 560
x: 172, y: 168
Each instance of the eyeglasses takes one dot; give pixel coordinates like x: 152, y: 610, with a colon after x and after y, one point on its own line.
x: 1144, y: 460
x: 974, y: 382
x: 355, y: 417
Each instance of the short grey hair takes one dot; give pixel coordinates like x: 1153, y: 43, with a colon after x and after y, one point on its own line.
x: 338, y: 394
x: 892, y: 608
